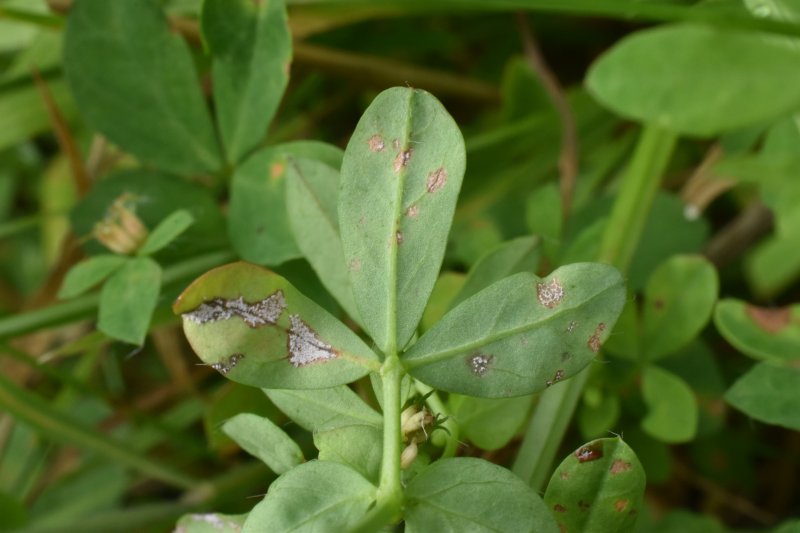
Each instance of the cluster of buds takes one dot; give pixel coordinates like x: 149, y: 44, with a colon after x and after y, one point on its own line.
x: 413, y: 423
x: 121, y: 231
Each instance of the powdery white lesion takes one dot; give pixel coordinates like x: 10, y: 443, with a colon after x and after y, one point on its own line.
x: 479, y: 363
x: 305, y: 346
x: 227, y: 364
x: 260, y: 313
x: 550, y: 293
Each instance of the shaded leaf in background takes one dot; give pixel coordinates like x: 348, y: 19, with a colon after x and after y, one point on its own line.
x: 257, y: 329
x: 358, y: 446
x: 671, y: 406
x: 522, y: 333
x: 315, y: 496
x: 251, y: 49
x: 544, y: 217
x: 134, y: 81
x: 89, y: 273
x: 489, y: 423
x: 468, y: 494
x: 598, y: 487
x: 679, y: 300
x: 400, y: 179
x: 325, y: 409
x: 760, y: 332
x: 697, y: 80
x: 769, y: 393
x: 446, y: 289
x: 210, y: 523
x: 156, y: 196
x: 128, y: 300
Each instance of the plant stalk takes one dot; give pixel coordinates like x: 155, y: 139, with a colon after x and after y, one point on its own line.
x: 557, y: 404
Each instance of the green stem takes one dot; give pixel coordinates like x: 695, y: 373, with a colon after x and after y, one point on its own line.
x: 557, y: 404
x: 389, y: 498
x: 84, y: 306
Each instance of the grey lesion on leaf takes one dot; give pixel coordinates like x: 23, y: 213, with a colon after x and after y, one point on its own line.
x: 559, y: 375
x: 550, y: 293
x: 376, y: 143
x: 227, y: 364
x: 412, y: 211
x: 436, y: 180
x: 260, y: 313
x: 479, y: 363
x: 594, y: 341
x: 305, y: 346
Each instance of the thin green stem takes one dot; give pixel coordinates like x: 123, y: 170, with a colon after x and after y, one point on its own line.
x: 84, y: 306
x: 557, y: 404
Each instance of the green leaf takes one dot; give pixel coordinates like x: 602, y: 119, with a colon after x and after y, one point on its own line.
x: 521, y: 334
x: 89, y: 273
x: 166, y: 232
x: 517, y: 255
x: 401, y: 176
x: 226, y: 402
x: 258, y: 223
x: 598, y: 417
x: 261, y: 438
x: 357, y: 446
x: 599, y: 487
x: 312, y: 191
x: 768, y: 393
x: 255, y: 328
x: 210, y: 523
x: 698, y: 80
x: 251, y: 49
x: 128, y: 300
x: 679, y: 300
x: 762, y: 333
x: 467, y: 494
x: 134, y: 81
x: 490, y: 423
x: 325, y: 409
x: 672, y: 408
x: 315, y: 496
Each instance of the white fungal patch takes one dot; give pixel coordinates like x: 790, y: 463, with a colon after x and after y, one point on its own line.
x: 479, y: 363
x: 412, y: 211
x: 305, y: 346
x: 559, y: 375
x: 226, y: 365
x: 257, y: 314
x: 401, y: 161
x: 571, y: 326
x: 376, y: 143
x: 594, y: 341
x: 437, y: 179
x: 550, y: 293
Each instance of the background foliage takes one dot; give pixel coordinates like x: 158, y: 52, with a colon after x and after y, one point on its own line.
x: 661, y: 136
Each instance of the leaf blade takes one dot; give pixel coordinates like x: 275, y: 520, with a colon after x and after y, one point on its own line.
x: 128, y: 300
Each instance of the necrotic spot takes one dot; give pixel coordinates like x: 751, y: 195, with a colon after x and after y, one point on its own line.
x: 305, y: 346
x: 257, y: 314
x: 401, y: 160
x: 594, y: 341
x: 437, y: 179
x: 226, y: 365
x: 550, y: 293
x: 376, y: 143
x: 479, y: 363
x: 590, y: 452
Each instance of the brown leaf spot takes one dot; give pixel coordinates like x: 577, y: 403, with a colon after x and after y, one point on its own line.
x: 550, y: 293
x: 594, y: 341
x: 619, y: 466
x: 437, y: 179
x: 559, y: 508
x: 562, y: 528
x: 565, y: 356
x: 658, y: 303
x: 559, y: 375
x: 583, y: 506
x: 401, y: 161
x: 398, y: 236
x: 590, y: 452
x: 620, y: 505
x: 276, y: 170
x: 564, y: 475
x: 770, y: 320
x: 376, y: 143
x: 412, y: 211
x: 479, y: 363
